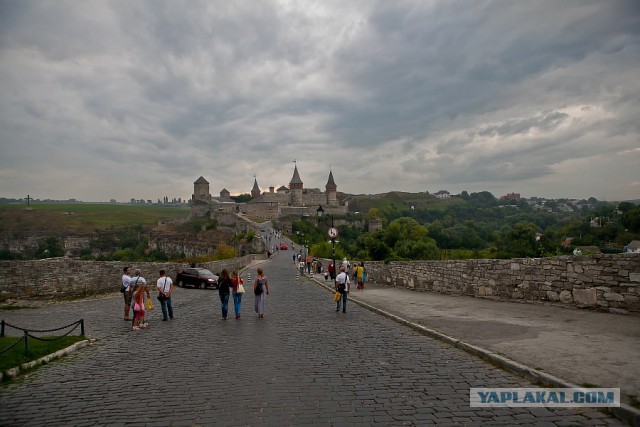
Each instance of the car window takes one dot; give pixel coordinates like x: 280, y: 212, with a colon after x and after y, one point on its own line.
x: 206, y: 273
x: 191, y: 272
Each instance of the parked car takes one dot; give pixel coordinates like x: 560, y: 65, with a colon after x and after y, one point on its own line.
x: 198, y: 278
x: 283, y: 246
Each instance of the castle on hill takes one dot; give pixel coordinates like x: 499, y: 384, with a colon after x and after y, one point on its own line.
x: 293, y: 201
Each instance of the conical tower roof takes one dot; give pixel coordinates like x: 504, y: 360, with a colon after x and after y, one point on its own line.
x: 255, y: 191
x: 201, y: 180
x: 296, y: 176
x: 331, y: 183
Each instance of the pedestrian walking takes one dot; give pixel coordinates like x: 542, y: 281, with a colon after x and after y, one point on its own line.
x: 238, y: 291
x: 261, y: 290
x: 224, y: 289
x: 126, y: 277
x: 342, y: 285
x: 358, y: 276
x: 301, y: 266
x: 165, y: 289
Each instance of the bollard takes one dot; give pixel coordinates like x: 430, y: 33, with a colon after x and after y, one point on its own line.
x: 26, y: 342
x: 82, y: 327
x: 2, y: 329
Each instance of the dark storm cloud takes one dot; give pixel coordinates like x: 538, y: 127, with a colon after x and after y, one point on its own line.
x: 450, y: 94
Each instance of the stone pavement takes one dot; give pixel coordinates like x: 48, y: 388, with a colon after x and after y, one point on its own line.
x: 303, y: 364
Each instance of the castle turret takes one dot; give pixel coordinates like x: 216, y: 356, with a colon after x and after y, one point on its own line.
x: 255, y: 191
x: 296, y: 187
x: 331, y: 191
x: 201, y: 190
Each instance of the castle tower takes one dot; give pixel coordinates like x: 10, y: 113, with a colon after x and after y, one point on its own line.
x: 255, y: 191
x: 296, y: 188
x: 201, y: 190
x: 331, y: 191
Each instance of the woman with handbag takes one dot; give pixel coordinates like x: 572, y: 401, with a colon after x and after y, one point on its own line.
x: 260, y: 290
x: 238, y: 291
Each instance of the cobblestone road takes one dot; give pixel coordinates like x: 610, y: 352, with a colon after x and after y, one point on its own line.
x: 303, y: 364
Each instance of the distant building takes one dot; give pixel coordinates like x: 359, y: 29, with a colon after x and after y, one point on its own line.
x: 292, y: 201
x: 442, y: 194
x: 511, y: 196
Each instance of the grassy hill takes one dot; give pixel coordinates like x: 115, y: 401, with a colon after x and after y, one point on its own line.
x: 399, y: 201
x: 83, y: 218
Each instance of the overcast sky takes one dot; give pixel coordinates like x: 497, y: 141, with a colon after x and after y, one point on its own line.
x: 122, y: 99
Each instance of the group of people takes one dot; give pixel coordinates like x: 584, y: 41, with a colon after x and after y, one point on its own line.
x: 234, y: 285
x: 137, y: 298
x: 343, y: 282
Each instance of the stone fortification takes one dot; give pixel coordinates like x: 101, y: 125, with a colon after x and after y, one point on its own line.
x: 602, y: 282
x: 67, y: 278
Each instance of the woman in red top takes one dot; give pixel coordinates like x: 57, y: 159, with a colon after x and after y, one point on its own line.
x: 236, y: 281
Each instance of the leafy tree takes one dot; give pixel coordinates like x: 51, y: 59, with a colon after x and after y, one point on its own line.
x: 520, y: 242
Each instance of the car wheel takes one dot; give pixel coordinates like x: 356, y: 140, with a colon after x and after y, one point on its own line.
x: 181, y: 284
x: 203, y: 285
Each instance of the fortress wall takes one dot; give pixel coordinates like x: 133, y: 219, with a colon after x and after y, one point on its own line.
x: 66, y: 277
x: 606, y: 282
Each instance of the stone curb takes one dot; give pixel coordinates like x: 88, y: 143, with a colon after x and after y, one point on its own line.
x: 625, y: 412
x: 14, y: 372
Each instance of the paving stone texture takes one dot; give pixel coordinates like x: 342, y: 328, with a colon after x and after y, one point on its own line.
x: 303, y: 364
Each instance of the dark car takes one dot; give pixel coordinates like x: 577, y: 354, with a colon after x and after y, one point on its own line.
x: 197, y: 277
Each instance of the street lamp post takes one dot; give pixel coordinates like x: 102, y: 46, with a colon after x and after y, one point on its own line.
x: 333, y: 233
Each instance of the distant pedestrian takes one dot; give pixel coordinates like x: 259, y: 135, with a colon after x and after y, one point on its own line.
x: 126, y: 277
x: 236, y: 280
x: 261, y: 290
x: 224, y: 289
x: 301, y: 266
x: 165, y: 289
x: 342, y: 286
x: 346, y: 266
x: 294, y: 258
x: 358, y: 275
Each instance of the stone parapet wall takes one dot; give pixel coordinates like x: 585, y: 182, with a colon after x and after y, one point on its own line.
x: 607, y: 282
x: 69, y: 278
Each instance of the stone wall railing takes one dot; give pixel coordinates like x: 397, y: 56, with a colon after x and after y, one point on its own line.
x: 68, y: 277
x: 608, y: 282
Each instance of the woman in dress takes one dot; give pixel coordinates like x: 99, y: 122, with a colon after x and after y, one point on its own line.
x: 260, y: 290
x: 224, y: 289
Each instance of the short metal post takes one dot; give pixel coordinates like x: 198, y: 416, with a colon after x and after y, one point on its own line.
x: 82, y: 327
x: 26, y: 342
x: 2, y: 329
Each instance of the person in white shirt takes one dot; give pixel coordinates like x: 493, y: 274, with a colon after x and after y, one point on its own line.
x: 127, y: 294
x: 165, y: 288
x: 342, y: 286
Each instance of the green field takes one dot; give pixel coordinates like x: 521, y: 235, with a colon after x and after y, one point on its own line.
x: 37, y: 349
x: 81, y: 218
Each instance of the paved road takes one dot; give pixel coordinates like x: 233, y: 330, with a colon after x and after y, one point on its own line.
x: 303, y: 364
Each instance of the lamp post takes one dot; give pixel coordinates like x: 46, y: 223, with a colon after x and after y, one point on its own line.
x: 333, y: 233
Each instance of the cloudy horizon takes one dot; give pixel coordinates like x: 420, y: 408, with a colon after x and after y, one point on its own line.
x: 105, y: 100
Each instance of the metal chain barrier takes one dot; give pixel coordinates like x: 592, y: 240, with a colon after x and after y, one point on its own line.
x: 27, y: 334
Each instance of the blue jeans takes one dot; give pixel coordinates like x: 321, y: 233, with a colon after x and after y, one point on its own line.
x: 224, y: 299
x: 344, y: 302
x: 237, y: 300
x: 165, y: 304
